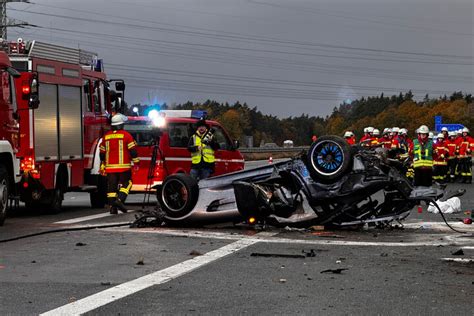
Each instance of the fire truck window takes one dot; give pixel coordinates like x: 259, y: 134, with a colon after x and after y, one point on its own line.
x: 5, y: 86
x: 87, y: 95
x: 96, y: 96
x: 141, y: 132
x: 12, y: 93
x: 178, y: 135
x: 221, y: 138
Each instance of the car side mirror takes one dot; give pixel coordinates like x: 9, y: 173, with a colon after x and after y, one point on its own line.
x: 34, y: 101
x: 120, y: 86
x: 236, y: 144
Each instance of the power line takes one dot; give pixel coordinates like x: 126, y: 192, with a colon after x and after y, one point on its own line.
x: 251, y: 38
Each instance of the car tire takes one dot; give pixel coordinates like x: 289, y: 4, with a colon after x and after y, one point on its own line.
x: 178, y: 195
x: 4, y: 187
x: 328, y: 159
x: 98, y: 198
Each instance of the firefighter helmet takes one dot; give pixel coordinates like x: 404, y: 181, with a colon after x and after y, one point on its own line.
x: 395, y: 130
x: 430, y: 135
x: 348, y: 134
x: 119, y: 119
x: 452, y: 134
x: 370, y: 129
x: 386, y: 130
x: 465, y: 130
x: 403, y: 131
x: 376, y: 132
x: 423, y: 129
x: 440, y: 135
x: 444, y: 129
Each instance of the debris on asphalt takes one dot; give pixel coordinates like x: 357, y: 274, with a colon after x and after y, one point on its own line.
x: 458, y: 252
x: 104, y: 283
x: 384, y: 254
x: 310, y: 253
x: 80, y: 244
x: 334, y: 271
x: 294, y: 229
x: 326, y: 234
x: 33, y: 261
x: 140, y: 262
x: 338, y: 261
x: 467, y: 221
x: 317, y: 228
x: 276, y: 255
x: 282, y: 280
x: 450, y: 206
x: 195, y: 253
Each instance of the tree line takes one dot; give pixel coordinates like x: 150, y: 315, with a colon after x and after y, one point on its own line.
x: 381, y: 111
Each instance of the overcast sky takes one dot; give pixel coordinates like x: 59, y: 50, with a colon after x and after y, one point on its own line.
x: 287, y: 57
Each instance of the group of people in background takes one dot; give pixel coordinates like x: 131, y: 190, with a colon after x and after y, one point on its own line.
x: 444, y: 157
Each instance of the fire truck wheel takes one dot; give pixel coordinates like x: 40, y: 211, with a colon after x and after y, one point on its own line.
x: 53, y: 200
x: 99, y: 198
x: 4, y: 190
x: 179, y: 194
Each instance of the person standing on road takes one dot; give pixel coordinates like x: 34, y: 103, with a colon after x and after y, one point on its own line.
x: 202, y: 146
x: 440, y: 155
x: 117, y: 152
x: 465, y: 160
x: 452, y: 159
x: 422, y: 155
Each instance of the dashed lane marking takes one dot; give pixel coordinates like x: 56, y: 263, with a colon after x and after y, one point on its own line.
x: 459, y: 260
x: 159, y: 277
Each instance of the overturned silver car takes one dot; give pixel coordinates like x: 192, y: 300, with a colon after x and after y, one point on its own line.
x: 332, y: 184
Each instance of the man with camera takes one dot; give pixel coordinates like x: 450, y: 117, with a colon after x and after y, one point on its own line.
x: 202, y: 146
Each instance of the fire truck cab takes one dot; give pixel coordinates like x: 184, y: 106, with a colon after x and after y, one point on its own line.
x: 59, y: 139
x: 9, y: 131
x: 169, y: 142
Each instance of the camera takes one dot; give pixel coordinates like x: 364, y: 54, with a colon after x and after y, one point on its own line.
x: 209, y: 136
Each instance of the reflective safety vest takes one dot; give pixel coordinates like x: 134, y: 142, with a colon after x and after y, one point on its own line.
x: 206, y: 153
x: 422, y: 154
x: 116, y: 146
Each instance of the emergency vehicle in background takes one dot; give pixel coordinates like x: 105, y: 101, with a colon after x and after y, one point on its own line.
x: 57, y: 143
x: 170, y: 131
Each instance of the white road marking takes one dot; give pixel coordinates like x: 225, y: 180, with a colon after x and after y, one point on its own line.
x: 460, y: 260
x: 86, y: 218
x: 270, y: 239
x: 159, y: 277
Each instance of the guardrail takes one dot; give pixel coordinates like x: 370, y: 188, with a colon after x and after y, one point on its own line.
x: 272, y: 149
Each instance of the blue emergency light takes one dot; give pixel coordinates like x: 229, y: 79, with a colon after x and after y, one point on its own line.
x: 199, y: 114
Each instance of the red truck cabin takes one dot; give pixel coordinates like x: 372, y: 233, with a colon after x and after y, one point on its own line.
x: 172, y: 154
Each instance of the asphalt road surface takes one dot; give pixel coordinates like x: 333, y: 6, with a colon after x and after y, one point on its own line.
x: 232, y: 269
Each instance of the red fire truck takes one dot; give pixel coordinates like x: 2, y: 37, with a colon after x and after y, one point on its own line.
x: 10, y: 175
x: 171, y: 138
x: 58, y: 140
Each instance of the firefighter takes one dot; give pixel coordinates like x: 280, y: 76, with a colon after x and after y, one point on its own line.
x: 445, y: 132
x: 451, y: 147
x: 117, y: 152
x: 440, y: 164
x: 367, y: 138
x: 385, y: 140
x: 350, y: 138
x: 374, y: 142
x: 422, y: 155
x: 465, y: 162
x: 202, y: 146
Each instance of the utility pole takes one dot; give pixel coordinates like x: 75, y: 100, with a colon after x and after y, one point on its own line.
x: 5, y: 21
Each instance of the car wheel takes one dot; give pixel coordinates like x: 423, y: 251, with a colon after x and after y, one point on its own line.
x: 4, y: 191
x: 98, y: 198
x: 53, y: 201
x: 178, y: 195
x: 328, y: 158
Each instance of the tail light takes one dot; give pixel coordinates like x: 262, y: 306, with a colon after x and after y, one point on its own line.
x: 27, y: 165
